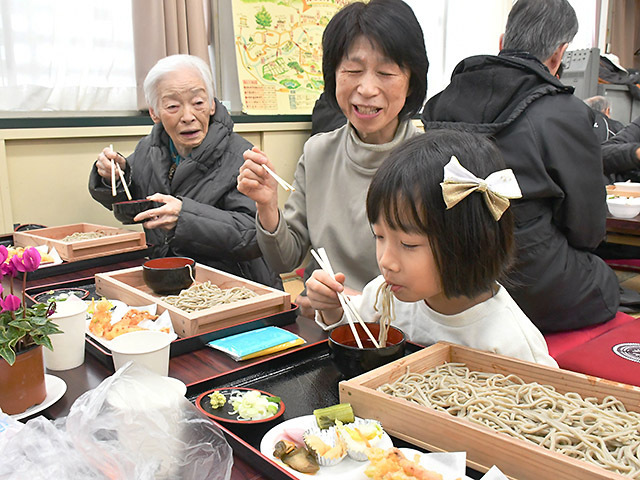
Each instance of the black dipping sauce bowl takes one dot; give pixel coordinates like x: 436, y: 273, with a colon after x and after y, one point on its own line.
x: 352, y: 361
x: 169, y: 275
x: 125, y: 212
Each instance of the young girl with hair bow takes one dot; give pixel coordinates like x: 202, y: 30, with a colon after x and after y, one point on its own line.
x: 443, y: 244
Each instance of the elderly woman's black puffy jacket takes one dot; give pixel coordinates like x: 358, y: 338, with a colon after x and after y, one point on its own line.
x: 216, y: 226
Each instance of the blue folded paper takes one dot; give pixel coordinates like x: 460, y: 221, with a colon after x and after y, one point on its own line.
x: 262, y: 341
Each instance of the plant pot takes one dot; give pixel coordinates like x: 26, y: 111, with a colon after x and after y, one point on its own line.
x: 22, y: 384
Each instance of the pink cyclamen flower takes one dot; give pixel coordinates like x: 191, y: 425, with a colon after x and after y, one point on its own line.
x: 4, y: 254
x: 11, y: 303
x: 30, y: 260
x: 8, y: 269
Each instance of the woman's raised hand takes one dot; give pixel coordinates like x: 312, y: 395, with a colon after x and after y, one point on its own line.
x: 256, y: 183
x: 322, y: 291
x: 103, y: 164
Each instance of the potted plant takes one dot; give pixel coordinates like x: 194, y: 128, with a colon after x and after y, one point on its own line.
x: 23, y: 332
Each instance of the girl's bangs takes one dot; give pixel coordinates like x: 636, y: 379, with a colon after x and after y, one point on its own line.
x: 401, y: 213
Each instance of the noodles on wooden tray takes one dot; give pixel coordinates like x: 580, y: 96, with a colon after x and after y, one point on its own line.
x: 603, y: 433
x: 387, y: 311
x: 206, y: 295
x: 77, y: 236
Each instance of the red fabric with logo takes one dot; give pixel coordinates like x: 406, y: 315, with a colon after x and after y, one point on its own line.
x: 561, y: 342
x: 597, y: 357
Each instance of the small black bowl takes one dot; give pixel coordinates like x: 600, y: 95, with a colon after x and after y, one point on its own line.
x: 125, y: 212
x: 169, y: 275
x: 352, y: 361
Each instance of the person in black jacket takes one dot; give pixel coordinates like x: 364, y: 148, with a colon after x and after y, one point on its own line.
x: 605, y: 126
x: 189, y: 162
x: 621, y: 154
x: 546, y: 137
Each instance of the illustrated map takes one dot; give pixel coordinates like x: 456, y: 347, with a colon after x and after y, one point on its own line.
x: 278, y: 47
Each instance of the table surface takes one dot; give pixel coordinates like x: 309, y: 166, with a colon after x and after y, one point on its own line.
x: 189, y: 368
x: 623, y: 231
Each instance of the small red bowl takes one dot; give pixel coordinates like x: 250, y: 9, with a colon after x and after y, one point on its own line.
x: 169, y: 275
x: 352, y: 361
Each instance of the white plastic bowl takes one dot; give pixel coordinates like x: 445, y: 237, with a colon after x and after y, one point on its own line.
x: 628, y: 186
x: 624, y: 207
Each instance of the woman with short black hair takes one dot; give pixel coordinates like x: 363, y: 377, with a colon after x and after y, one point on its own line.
x: 375, y: 69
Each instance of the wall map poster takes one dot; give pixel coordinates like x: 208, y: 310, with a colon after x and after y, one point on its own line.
x: 279, y: 53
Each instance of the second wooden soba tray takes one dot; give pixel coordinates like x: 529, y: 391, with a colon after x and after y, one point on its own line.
x: 520, y: 458
x: 111, y: 240
x: 128, y: 286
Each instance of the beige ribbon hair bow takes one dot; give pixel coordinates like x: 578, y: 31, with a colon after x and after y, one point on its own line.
x: 496, y: 189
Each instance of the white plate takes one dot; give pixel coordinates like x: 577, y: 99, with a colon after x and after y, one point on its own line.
x: 450, y: 465
x: 347, y: 469
x: 56, y: 387
x: 120, y: 309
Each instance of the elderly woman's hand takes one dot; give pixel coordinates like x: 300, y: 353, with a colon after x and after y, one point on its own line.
x: 259, y: 186
x: 103, y: 164
x: 165, y: 216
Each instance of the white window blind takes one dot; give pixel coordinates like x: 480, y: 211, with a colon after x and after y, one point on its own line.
x: 66, y: 55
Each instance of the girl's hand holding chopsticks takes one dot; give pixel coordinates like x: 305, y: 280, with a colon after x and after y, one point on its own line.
x: 322, y: 291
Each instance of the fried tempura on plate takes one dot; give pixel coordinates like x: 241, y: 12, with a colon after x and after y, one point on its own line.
x: 391, y: 464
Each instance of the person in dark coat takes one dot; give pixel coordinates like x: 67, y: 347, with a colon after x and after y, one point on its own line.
x: 546, y: 137
x: 604, y: 126
x: 326, y: 116
x: 189, y: 162
x: 621, y: 154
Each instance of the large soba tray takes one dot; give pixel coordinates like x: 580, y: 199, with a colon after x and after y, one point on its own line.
x: 179, y: 346
x: 305, y: 379
x: 439, y: 431
x: 128, y: 286
x: 118, y: 240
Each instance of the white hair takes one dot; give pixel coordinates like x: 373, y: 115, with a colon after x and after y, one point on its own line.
x: 171, y: 64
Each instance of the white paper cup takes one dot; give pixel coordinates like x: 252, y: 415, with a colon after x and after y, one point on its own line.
x: 68, y: 346
x: 149, y: 348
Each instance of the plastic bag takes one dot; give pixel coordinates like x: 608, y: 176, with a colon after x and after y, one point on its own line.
x: 133, y: 426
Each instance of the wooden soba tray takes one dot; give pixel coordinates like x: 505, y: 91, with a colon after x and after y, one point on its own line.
x: 128, y: 286
x: 119, y: 240
x: 440, y: 431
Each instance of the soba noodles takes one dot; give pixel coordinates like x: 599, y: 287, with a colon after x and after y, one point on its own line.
x: 603, y: 433
x: 387, y: 311
x: 76, y: 236
x: 207, y: 295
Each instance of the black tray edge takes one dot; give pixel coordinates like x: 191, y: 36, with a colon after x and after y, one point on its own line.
x: 254, y: 457
x: 70, y: 267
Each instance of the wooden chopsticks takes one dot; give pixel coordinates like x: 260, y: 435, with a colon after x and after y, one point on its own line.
x: 116, y: 166
x: 349, y: 310
x: 287, y: 186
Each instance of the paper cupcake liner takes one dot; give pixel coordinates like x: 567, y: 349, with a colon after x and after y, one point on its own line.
x: 355, y: 449
x: 328, y: 436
